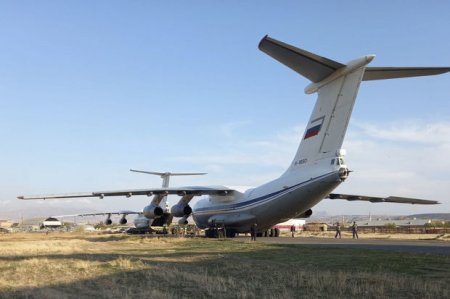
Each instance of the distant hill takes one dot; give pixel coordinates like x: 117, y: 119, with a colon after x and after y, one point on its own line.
x: 33, y: 209
x: 436, y: 216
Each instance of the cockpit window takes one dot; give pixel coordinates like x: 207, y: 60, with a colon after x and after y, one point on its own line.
x: 341, y: 161
x: 332, y: 161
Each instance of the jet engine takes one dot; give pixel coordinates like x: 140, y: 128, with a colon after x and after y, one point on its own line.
x: 152, y: 211
x: 108, y: 221
x: 123, y: 220
x: 181, y: 210
x: 141, y: 222
x: 183, y: 221
x: 306, y: 214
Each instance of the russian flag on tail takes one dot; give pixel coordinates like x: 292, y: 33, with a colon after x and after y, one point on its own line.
x: 314, y: 127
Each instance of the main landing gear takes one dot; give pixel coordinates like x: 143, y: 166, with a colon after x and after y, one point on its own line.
x: 272, y: 232
x: 220, y: 232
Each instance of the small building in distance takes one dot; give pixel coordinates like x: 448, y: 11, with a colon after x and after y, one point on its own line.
x: 7, y: 224
x: 409, y: 226
x: 393, y: 223
x: 51, y: 223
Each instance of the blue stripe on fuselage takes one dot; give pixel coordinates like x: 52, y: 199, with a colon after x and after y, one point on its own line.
x: 252, y: 201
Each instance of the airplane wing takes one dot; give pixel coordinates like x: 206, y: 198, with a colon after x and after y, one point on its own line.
x: 180, y: 191
x: 393, y: 199
x: 100, y: 214
x: 112, y: 213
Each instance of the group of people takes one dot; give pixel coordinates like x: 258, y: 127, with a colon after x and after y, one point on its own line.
x: 354, y: 230
x: 254, y: 229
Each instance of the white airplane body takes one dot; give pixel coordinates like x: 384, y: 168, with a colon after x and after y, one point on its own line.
x: 317, y: 168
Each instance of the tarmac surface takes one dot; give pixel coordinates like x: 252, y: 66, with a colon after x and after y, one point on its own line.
x: 414, y: 246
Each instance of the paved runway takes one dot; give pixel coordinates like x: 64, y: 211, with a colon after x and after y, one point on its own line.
x: 415, y: 246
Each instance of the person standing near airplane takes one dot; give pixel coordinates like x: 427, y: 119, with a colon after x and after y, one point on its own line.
x: 338, y: 230
x: 293, y: 230
x: 355, y: 230
x: 253, y: 231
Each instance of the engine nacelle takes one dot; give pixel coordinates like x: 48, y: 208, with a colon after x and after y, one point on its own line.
x: 183, y: 221
x: 181, y: 210
x: 153, y: 211
x: 123, y: 220
x: 108, y: 221
x: 306, y: 214
x: 141, y: 222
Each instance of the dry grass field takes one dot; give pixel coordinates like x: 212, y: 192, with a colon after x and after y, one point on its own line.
x: 68, y: 265
x: 376, y: 236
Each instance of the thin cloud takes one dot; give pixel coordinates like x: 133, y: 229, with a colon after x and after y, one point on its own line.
x: 228, y: 129
x: 408, y: 131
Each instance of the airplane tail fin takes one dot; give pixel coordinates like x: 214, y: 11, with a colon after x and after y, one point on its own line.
x: 337, y: 86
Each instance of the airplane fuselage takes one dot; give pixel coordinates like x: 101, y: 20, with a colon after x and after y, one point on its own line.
x: 286, y: 197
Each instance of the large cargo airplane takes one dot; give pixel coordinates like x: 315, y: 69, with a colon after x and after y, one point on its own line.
x: 318, y: 166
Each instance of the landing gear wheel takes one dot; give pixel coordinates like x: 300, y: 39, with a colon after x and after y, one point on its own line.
x: 211, y: 233
x: 231, y: 233
x: 272, y: 232
x: 277, y: 232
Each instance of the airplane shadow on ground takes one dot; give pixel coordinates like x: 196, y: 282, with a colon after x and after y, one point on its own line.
x: 163, y: 275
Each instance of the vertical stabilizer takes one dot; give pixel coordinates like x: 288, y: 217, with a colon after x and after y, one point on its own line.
x: 337, y: 86
x: 325, y: 131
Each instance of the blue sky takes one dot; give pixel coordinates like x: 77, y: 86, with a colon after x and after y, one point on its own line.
x: 89, y: 89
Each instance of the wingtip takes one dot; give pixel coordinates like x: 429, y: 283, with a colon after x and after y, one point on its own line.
x: 262, y: 40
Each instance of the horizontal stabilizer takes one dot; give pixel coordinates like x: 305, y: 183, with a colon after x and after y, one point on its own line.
x: 316, y: 68
x: 168, y: 173
x: 312, y: 66
x: 379, y: 73
x: 393, y: 199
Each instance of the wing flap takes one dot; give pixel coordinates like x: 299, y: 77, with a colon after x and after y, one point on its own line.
x: 49, y: 196
x: 181, y: 191
x: 99, y: 214
x: 374, y: 199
